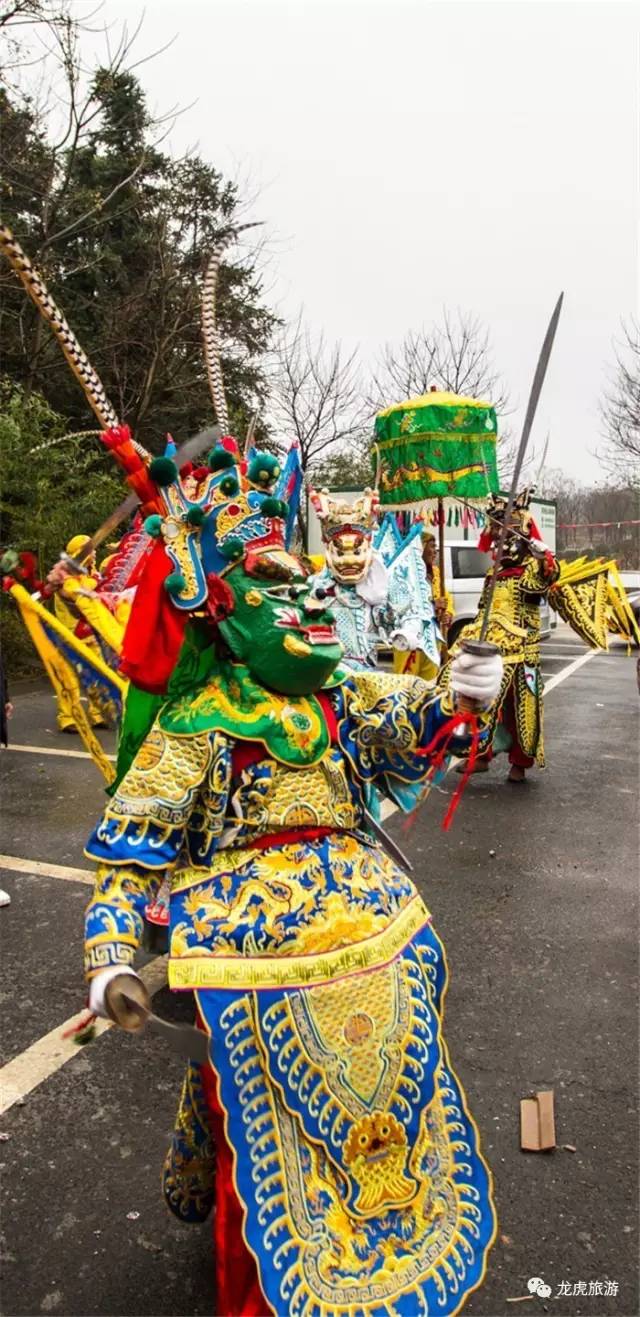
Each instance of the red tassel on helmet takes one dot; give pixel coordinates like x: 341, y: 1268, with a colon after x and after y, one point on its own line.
x: 118, y: 441
x: 155, y: 630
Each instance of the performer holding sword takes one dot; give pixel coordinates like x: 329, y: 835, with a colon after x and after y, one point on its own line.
x: 323, y: 1117
x: 328, y: 1096
x: 521, y: 576
x: 524, y: 571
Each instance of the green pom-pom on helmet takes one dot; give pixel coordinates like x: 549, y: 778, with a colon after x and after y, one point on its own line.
x: 195, y: 516
x: 163, y: 471
x: 264, y: 468
x: 9, y: 560
x: 219, y: 459
x: 175, y: 583
x: 274, y: 507
x: 230, y: 486
x: 153, y: 526
x: 232, y: 549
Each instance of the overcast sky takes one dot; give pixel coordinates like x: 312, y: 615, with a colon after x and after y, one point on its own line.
x: 411, y: 155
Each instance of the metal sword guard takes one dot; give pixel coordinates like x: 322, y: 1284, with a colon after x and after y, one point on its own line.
x: 182, y: 1038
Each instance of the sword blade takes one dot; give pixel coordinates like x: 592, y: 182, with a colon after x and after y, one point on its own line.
x: 192, y: 448
x: 182, y: 1038
x: 542, y: 460
x: 536, y: 389
x: 388, y: 842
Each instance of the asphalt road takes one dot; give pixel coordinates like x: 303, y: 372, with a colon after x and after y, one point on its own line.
x: 535, y: 893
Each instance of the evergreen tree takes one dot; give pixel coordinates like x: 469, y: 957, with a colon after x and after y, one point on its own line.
x: 121, y: 234
x: 52, y: 486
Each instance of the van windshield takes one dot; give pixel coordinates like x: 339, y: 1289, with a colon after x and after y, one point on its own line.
x: 470, y: 563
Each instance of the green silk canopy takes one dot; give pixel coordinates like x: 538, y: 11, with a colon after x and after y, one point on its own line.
x: 437, y: 446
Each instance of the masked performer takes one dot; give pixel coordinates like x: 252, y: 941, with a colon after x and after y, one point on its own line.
x: 442, y: 599
x: 376, y: 580
x: 348, y: 1173
x: 527, y: 573
x: 68, y: 615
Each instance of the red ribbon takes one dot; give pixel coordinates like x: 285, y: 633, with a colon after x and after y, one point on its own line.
x: 438, y: 747
x: 86, y: 1021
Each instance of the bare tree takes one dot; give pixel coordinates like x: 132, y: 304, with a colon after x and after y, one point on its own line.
x: 455, y: 355
x: 316, y: 395
x: 620, y: 410
x: 30, y: 13
x: 316, y: 399
x: 33, y: 34
x: 598, y: 521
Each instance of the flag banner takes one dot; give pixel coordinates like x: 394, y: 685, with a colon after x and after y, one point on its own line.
x: 98, y: 682
x: 579, y: 596
x: 289, y: 488
x: 74, y: 668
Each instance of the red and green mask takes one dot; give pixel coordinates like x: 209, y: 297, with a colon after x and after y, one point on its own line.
x: 223, y: 530
x: 279, y: 625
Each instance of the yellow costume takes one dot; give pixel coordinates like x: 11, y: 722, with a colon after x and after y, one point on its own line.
x: 438, y: 592
x: 514, y: 626
x: 68, y: 615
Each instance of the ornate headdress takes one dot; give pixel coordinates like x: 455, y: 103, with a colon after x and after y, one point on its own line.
x: 204, y: 520
x: 520, y: 518
x: 214, y: 516
x: 347, y: 532
x: 521, y: 523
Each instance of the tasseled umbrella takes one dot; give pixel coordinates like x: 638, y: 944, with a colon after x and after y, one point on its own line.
x: 435, y: 447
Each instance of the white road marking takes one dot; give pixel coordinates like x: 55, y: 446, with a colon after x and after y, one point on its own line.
x: 30, y: 1068
x: 546, y: 654
x: 570, y: 669
x: 54, y: 750
x: 16, y: 865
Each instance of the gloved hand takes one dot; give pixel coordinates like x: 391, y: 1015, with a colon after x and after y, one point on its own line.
x: 405, y: 639
x: 477, y: 677
x: 105, y: 997
x: 58, y: 575
x: 539, y: 548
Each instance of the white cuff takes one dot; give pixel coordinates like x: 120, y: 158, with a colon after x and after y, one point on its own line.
x: 539, y: 548
x: 99, y: 985
x: 405, y: 640
x: 478, y: 678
